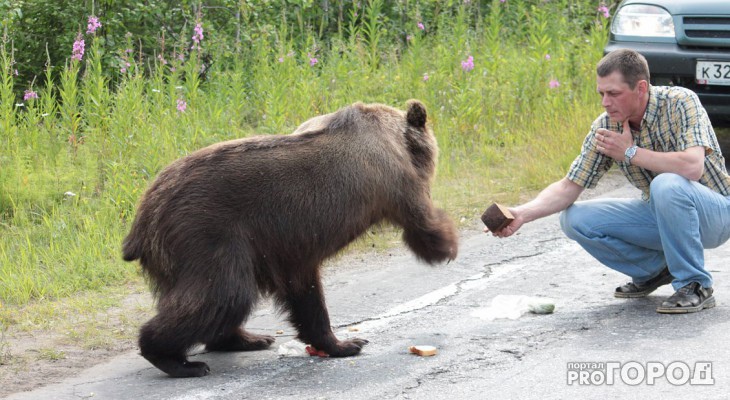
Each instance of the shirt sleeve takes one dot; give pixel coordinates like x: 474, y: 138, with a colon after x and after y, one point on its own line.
x: 694, y: 128
x: 590, y: 165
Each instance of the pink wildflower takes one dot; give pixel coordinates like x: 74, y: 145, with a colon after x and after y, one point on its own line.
x: 313, y: 61
x: 78, y: 49
x: 30, y: 94
x: 468, y: 65
x: 181, y: 105
x: 93, y: 25
x: 198, y: 35
x: 425, y: 76
x: 547, y: 57
x: 554, y: 84
x: 420, y: 26
x: 604, y: 10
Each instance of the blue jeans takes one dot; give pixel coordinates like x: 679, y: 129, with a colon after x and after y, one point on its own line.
x: 638, y: 238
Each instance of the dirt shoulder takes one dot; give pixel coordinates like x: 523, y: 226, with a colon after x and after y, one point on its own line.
x: 47, y: 342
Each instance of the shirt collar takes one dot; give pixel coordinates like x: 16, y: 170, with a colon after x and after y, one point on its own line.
x: 650, y: 115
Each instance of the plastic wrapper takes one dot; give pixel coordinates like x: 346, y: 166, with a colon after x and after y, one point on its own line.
x: 514, y: 306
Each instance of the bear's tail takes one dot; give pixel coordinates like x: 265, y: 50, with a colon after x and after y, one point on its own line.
x: 416, y: 114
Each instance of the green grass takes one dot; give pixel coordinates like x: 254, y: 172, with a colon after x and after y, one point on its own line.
x: 74, y: 162
x: 51, y: 354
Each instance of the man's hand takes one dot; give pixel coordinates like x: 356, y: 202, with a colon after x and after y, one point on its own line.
x: 689, y: 162
x: 510, y: 229
x: 556, y: 197
x: 614, y: 144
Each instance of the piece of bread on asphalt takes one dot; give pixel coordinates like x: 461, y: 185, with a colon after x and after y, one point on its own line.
x: 423, y: 351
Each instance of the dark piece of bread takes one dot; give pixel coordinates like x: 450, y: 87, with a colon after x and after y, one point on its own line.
x: 496, y: 217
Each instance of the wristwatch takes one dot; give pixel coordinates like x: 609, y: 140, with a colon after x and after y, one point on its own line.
x: 630, y: 153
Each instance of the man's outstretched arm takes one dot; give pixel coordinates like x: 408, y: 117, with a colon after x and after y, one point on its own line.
x: 556, y: 197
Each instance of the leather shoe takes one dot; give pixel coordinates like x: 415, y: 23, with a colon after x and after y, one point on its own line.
x: 688, y: 299
x: 634, y: 290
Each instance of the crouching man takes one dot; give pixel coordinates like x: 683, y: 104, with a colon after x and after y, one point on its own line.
x: 664, y: 143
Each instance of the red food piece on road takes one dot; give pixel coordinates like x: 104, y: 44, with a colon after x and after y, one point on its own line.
x: 314, y: 352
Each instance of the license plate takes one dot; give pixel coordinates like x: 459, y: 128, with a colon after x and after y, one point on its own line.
x: 713, y: 72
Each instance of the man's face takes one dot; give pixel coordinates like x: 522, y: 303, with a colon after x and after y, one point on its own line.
x: 620, y: 101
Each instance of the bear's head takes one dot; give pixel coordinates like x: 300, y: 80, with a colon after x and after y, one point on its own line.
x: 406, y: 129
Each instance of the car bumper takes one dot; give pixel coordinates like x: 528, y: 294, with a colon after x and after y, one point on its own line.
x: 671, y: 64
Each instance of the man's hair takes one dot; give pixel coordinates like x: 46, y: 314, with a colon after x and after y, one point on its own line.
x: 632, y: 66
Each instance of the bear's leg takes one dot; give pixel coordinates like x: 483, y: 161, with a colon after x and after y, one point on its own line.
x: 430, y: 234
x: 308, y: 314
x: 166, y: 348
x: 213, y: 316
x: 232, y: 296
x: 239, y: 339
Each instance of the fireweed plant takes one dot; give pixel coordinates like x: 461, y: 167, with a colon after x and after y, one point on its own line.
x: 510, y: 94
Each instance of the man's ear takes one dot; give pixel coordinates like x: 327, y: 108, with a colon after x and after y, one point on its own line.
x: 643, y: 86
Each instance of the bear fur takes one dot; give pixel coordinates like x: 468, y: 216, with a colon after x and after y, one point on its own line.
x: 250, y: 217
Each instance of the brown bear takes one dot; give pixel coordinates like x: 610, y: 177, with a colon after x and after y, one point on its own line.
x: 244, y: 218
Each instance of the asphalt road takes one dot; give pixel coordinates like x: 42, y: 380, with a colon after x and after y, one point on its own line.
x: 395, y: 302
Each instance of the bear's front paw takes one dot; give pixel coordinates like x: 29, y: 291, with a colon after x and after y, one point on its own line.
x: 343, y: 348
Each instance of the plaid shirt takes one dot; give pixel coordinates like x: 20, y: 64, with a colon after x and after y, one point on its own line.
x: 674, y: 121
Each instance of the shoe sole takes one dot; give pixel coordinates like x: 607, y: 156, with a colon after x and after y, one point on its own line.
x: 708, y: 303
x: 636, y: 295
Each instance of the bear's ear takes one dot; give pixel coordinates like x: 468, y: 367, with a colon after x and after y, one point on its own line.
x: 416, y: 114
